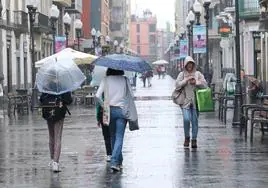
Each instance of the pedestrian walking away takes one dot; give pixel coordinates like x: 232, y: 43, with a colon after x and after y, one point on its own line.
x: 144, y: 77
x: 149, y: 76
x: 163, y: 71
x: 158, y: 70
x: 105, y: 131
x: 54, y: 108
x: 114, y: 87
x: 189, y: 80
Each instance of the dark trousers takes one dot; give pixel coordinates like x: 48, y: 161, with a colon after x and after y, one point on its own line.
x: 144, y: 82
x: 107, y: 139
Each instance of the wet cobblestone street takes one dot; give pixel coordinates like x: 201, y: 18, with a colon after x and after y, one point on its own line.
x: 154, y: 156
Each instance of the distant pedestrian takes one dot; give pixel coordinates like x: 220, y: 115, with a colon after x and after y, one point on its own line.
x: 163, y: 71
x: 149, y: 76
x: 105, y: 131
x: 158, y: 70
x: 189, y: 80
x: 114, y: 87
x: 54, y: 111
x: 144, y: 77
x: 135, y: 80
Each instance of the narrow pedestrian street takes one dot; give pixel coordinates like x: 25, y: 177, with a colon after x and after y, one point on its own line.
x: 154, y: 156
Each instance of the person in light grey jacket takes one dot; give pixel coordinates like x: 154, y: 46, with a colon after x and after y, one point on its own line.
x: 189, y: 80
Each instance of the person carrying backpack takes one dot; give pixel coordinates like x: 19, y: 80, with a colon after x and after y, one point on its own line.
x: 54, y: 108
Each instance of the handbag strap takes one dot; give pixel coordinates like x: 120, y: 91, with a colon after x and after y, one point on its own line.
x: 127, y: 89
x: 106, y: 89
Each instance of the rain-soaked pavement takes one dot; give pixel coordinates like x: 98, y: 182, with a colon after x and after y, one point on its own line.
x: 153, y: 156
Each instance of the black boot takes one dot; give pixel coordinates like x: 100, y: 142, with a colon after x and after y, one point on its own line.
x: 194, y: 143
x: 186, y: 142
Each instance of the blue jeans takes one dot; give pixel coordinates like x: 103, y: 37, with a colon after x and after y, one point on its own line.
x: 117, y: 129
x: 190, y: 116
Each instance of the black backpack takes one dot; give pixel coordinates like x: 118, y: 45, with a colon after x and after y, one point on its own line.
x: 52, y: 109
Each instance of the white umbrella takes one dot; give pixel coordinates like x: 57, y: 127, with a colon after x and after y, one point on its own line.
x: 68, y: 53
x: 160, y: 62
x: 59, y: 76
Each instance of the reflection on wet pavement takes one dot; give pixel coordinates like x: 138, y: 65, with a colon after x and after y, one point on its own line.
x: 153, y: 156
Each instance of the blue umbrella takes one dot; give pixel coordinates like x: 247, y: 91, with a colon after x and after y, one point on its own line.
x: 123, y: 62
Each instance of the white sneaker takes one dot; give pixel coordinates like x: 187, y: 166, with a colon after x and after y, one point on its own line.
x: 50, y: 163
x: 108, y: 158
x: 115, y: 168
x: 55, y: 167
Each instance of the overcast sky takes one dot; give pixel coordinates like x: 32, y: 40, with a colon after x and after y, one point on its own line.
x: 163, y: 9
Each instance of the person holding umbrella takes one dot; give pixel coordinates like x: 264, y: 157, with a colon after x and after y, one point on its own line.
x: 53, y: 111
x: 56, y: 79
x: 117, y: 95
x: 114, y: 87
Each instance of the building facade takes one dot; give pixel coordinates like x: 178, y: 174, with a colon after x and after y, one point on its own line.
x: 86, y: 18
x: 181, y: 10
x: 15, y: 56
x: 164, y: 38
x: 75, y: 11
x: 98, y: 18
x: 263, y: 32
x: 120, y: 20
x: 15, y: 48
x: 144, y: 35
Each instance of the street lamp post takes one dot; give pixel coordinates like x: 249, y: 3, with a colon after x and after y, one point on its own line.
x: 67, y: 23
x: 191, y: 20
x: 188, y: 25
x: 206, y: 6
x: 107, y: 47
x: 197, y: 10
x: 176, y: 50
x: 78, y: 29
x: 107, y: 40
x: 122, y: 48
x: 32, y: 13
x: 93, y: 34
x: 115, y: 46
x: 98, y: 35
x: 54, y: 15
x: 182, y: 32
x: 238, y: 88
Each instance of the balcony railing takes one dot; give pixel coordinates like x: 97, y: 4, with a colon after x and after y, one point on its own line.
x: 41, y: 23
x: 76, y: 7
x: 225, y: 3
x: 249, y: 9
x: 21, y: 20
x: 19, y: 23
x: 66, y: 3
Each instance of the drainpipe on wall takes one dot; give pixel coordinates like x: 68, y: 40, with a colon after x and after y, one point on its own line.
x: 1, y: 58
